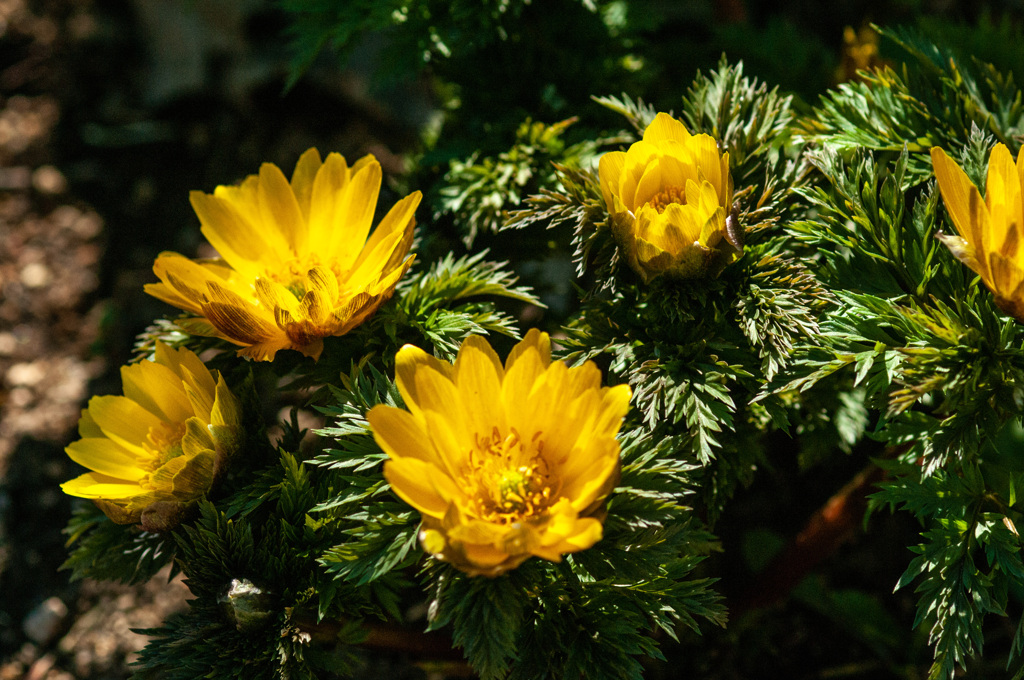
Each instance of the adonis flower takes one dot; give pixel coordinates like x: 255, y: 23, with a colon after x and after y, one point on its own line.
x: 297, y: 264
x: 991, y: 232
x: 669, y: 197
x: 159, y: 447
x: 503, y: 462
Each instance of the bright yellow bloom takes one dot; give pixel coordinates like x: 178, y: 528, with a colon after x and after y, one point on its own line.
x: 503, y: 462
x: 991, y: 231
x: 669, y: 196
x: 297, y: 264
x: 160, y: 446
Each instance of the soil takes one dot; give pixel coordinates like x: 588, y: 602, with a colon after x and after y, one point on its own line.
x: 105, y: 126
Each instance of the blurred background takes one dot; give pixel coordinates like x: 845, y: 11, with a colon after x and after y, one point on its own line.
x: 111, y: 111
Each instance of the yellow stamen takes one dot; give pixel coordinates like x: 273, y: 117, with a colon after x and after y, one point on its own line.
x: 510, y: 477
x: 667, y: 197
x: 164, y: 443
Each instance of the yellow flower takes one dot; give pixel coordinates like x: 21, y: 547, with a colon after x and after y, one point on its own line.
x: 669, y: 197
x: 991, y: 231
x: 503, y: 462
x: 160, y: 446
x: 297, y: 264
x: 859, y: 54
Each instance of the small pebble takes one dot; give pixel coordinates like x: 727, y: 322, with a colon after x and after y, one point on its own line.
x: 49, y: 180
x: 8, y: 344
x: 35, y: 275
x: 43, y: 623
x: 26, y: 373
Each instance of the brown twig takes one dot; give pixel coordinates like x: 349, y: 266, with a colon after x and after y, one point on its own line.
x: 393, y: 639
x: 828, y: 528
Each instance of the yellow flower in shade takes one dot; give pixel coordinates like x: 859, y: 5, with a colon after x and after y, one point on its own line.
x: 991, y: 232
x: 669, y: 197
x: 503, y: 462
x: 297, y: 264
x: 159, y: 447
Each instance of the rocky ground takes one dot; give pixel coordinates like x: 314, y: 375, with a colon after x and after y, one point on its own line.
x: 105, y: 125
x: 51, y: 315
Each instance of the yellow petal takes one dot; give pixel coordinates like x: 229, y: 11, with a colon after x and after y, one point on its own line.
x: 123, y: 420
x: 238, y: 319
x: 325, y: 282
x: 725, y: 190
x: 182, y: 360
x: 478, y: 376
x: 197, y: 438
x: 583, y: 487
x: 962, y: 250
x: 156, y: 388
x: 399, y: 434
x: 533, y: 341
x: 484, y: 556
x: 401, y: 218
x: 675, y: 171
x: 1003, y: 199
x: 188, y: 297
x: 450, y: 439
x: 963, y: 200
x: 666, y: 128
x: 371, y: 263
x: 87, y: 427
x: 577, y: 391
x: 410, y: 480
x: 524, y: 366
x: 650, y: 184
x: 354, y: 312
x: 1007, y: 275
x: 713, y: 229
x: 705, y: 155
x: 280, y: 210
x: 244, y: 199
x: 637, y: 158
x: 672, y: 230
x: 316, y: 307
x: 93, y: 485
x: 478, y: 532
x: 243, y: 244
x: 356, y: 205
x: 610, y: 171
x: 302, y: 179
x: 166, y: 293
x: 408, y: 362
x: 272, y: 295
x: 226, y: 410
x: 185, y: 478
x: 588, y: 531
x: 106, y: 457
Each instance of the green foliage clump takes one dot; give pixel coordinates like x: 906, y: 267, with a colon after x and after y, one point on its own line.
x: 845, y: 334
x: 478, y: 192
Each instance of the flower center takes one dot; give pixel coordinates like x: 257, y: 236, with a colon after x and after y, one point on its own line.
x: 164, y: 442
x: 666, y: 197
x: 510, y: 477
x: 295, y: 276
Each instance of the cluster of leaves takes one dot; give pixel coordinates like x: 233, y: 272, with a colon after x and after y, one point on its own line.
x: 597, y: 603
x: 259, y: 596
x: 844, y: 314
x: 421, y: 31
x: 936, y: 100
x: 260, y: 556
x: 478, y: 192
x: 933, y: 358
x: 696, y: 352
